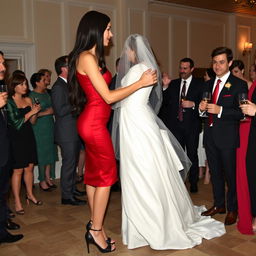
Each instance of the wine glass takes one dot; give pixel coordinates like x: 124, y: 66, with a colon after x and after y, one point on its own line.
x: 36, y: 100
x: 243, y: 99
x: 3, y: 88
x: 207, y: 96
x: 183, y: 97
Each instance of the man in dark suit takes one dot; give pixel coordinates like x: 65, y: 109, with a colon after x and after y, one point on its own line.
x: 5, y: 236
x: 221, y: 134
x: 179, y: 112
x: 65, y: 134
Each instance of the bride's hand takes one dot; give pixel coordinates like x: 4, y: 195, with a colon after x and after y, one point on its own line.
x: 149, y: 77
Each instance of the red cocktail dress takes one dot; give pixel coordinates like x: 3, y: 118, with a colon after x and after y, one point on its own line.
x: 100, y: 164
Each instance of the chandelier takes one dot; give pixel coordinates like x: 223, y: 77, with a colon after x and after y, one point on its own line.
x: 246, y: 3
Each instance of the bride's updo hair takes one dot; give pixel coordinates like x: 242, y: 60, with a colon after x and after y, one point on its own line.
x: 89, y: 34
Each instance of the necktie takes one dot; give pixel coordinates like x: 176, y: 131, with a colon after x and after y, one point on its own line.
x: 182, y: 97
x: 214, y: 100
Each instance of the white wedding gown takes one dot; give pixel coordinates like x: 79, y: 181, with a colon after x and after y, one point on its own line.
x: 156, y: 207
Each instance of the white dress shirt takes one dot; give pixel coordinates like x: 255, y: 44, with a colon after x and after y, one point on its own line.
x: 188, y: 81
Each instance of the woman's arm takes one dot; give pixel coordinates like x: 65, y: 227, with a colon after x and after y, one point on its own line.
x: 32, y: 114
x: 14, y: 118
x: 87, y: 65
x: 48, y: 111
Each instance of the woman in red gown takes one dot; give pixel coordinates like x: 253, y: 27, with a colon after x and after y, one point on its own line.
x: 244, y: 224
x: 90, y: 98
x: 245, y: 183
x: 246, y: 175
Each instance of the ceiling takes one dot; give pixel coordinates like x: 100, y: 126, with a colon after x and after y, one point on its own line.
x: 217, y: 5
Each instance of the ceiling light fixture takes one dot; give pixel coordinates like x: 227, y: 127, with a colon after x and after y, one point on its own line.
x: 246, y: 3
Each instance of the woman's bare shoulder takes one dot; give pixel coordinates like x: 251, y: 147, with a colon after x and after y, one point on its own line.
x: 86, y: 59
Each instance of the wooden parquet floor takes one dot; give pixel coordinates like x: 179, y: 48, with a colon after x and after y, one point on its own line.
x: 58, y: 230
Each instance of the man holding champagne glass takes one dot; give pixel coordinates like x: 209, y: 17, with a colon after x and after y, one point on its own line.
x: 221, y: 134
x: 179, y: 112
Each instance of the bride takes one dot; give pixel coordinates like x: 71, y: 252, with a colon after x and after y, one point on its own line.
x: 156, y: 207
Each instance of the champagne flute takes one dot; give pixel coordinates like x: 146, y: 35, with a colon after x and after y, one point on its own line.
x: 36, y: 100
x: 183, y: 97
x: 207, y: 96
x: 3, y: 88
x: 243, y: 99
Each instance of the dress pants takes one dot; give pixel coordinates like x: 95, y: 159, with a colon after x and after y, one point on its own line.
x: 222, y: 165
x: 189, y: 139
x: 4, y: 186
x: 69, y: 154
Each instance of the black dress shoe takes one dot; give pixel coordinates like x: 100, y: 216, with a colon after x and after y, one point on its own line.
x: 10, y: 213
x: 78, y: 192
x: 9, y: 238
x: 11, y: 225
x: 73, y: 201
x: 193, y: 188
x: 214, y: 210
x: 231, y: 218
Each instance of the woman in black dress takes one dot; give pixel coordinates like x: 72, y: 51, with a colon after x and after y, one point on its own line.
x: 21, y: 113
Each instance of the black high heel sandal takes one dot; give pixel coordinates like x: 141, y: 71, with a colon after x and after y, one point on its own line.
x: 38, y: 202
x: 49, y: 189
x: 90, y: 240
x: 89, y: 226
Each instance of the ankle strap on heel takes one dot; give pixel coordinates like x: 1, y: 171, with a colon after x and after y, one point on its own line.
x: 95, y: 229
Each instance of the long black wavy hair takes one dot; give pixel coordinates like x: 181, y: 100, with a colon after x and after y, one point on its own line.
x: 89, y: 33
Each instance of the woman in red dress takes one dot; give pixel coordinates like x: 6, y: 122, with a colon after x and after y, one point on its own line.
x: 90, y: 98
x: 244, y: 224
x: 243, y: 172
x: 247, y: 220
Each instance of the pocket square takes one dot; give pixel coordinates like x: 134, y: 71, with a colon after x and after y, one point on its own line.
x: 227, y: 95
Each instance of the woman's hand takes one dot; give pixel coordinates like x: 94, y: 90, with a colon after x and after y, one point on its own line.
x: 203, y: 105
x: 249, y: 108
x: 35, y: 108
x: 149, y: 77
x: 3, y: 98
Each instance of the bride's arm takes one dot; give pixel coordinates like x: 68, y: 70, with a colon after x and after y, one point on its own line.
x: 87, y: 65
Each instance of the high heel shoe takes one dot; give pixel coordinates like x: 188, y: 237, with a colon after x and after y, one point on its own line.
x: 90, y: 240
x: 38, y: 202
x: 51, y: 185
x: 20, y: 212
x: 49, y: 189
x: 89, y: 226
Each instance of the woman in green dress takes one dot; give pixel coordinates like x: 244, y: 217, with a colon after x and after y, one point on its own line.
x: 44, y: 133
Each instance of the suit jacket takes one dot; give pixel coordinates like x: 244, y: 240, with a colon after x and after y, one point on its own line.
x: 225, y: 130
x: 4, y: 142
x: 65, y: 124
x: 113, y: 83
x: 170, y: 107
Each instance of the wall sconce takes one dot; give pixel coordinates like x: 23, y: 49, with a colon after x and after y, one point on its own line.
x: 247, y: 48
